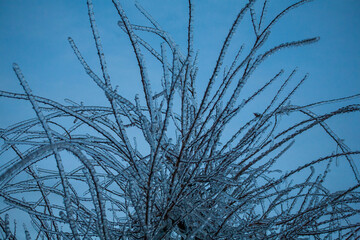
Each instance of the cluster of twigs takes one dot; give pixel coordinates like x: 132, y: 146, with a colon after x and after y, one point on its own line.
x: 190, y: 181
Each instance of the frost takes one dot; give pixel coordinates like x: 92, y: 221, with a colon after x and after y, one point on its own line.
x: 183, y: 176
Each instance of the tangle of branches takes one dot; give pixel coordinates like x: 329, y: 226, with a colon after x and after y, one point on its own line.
x: 188, y: 179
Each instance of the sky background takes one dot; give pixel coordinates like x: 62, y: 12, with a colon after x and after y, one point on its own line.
x: 34, y: 35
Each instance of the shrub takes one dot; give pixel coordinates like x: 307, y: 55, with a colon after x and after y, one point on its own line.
x: 183, y: 176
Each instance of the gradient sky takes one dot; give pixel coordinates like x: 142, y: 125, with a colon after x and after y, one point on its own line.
x: 34, y: 35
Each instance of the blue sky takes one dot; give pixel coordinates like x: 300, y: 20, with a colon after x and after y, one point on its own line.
x: 34, y: 35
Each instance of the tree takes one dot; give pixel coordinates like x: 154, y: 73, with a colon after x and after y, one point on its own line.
x: 182, y: 177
